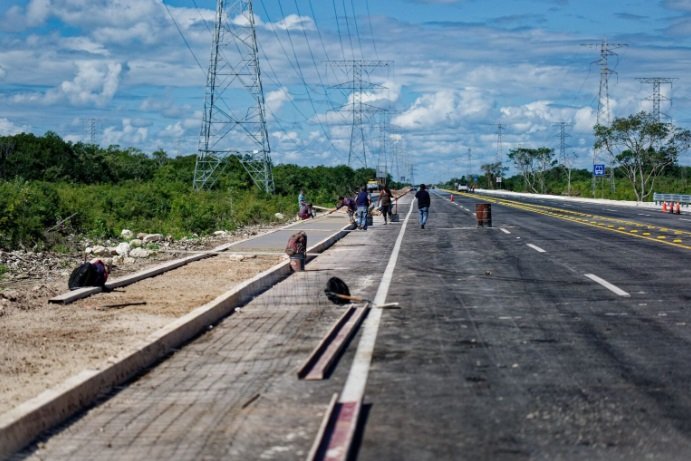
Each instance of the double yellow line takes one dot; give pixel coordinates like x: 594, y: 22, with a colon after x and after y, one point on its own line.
x: 666, y: 235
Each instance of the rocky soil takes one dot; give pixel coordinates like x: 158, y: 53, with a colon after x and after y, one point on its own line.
x: 42, y: 344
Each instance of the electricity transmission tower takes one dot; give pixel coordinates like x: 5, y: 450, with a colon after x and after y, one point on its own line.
x: 467, y: 175
x: 383, y: 165
x: 603, y: 112
x: 500, y: 154
x: 91, y: 130
x: 6, y: 149
x: 566, y: 159
x: 359, y: 72
x: 562, y: 138
x: 234, y: 119
x: 656, y: 98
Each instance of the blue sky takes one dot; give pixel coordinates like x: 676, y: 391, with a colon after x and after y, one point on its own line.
x: 134, y: 70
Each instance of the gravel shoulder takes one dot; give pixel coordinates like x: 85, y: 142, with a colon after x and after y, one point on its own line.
x: 42, y: 344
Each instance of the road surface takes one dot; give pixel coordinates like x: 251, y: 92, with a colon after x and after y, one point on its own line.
x: 547, y: 336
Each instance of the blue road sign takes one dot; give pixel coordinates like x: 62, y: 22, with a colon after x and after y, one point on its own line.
x: 599, y: 169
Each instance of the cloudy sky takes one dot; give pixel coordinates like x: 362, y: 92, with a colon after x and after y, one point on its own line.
x: 440, y: 79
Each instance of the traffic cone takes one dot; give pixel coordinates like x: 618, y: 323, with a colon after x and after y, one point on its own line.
x: 664, y: 207
x: 677, y: 209
x: 452, y: 197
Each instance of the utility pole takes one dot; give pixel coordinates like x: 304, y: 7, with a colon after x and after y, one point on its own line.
x: 603, y: 112
x: 234, y: 108
x: 657, y: 97
x: 359, y: 71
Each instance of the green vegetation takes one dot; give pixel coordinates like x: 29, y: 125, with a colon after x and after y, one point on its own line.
x: 643, y: 155
x: 50, y: 188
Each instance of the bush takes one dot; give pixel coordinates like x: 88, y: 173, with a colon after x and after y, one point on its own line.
x: 26, y: 210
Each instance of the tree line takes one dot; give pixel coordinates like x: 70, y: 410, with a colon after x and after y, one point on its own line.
x: 639, y: 151
x: 52, y: 190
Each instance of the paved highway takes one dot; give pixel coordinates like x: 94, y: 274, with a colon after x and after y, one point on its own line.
x: 542, y: 337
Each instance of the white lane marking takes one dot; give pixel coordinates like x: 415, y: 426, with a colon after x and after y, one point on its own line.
x: 643, y: 214
x: 536, y: 248
x: 613, y: 288
x: 354, y: 388
x: 609, y: 209
x: 504, y: 230
x: 684, y: 219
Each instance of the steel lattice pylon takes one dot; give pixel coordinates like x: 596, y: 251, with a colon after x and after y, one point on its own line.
x: 234, y: 76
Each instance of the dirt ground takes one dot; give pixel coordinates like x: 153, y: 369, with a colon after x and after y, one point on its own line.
x: 42, y: 344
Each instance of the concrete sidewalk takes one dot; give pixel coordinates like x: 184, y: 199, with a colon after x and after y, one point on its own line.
x: 26, y: 421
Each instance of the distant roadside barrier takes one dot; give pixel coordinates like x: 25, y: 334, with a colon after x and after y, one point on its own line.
x: 683, y: 199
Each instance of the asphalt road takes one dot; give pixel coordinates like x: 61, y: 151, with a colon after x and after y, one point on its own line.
x: 507, y: 349
x: 537, y: 338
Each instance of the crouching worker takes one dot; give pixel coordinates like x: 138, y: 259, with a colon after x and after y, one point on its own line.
x: 306, y: 211
x: 349, y: 203
x: 297, y: 250
x: 90, y: 274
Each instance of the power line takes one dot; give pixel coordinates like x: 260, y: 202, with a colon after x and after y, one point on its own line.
x: 182, y: 35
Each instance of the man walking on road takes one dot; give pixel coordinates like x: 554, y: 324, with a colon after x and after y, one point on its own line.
x: 423, y: 202
x: 362, y: 202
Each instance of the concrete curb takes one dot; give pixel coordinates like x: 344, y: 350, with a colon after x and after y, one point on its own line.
x: 23, y: 424
x: 80, y: 293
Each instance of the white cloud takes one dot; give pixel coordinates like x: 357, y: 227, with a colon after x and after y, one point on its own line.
x: 447, y: 108
x: 84, y: 44
x: 293, y: 22
x: 95, y: 83
x: 8, y: 128
x: 174, y: 131
x: 91, y: 13
x: 275, y: 99
x: 128, y: 135
x: 584, y: 120
x: 37, y: 12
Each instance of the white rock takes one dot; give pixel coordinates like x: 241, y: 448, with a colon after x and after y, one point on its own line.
x: 140, y: 253
x: 128, y: 260
x: 135, y: 243
x: 279, y: 216
x: 100, y: 250
x: 123, y: 249
x: 220, y: 233
x: 148, y: 238
x: 127, y: 234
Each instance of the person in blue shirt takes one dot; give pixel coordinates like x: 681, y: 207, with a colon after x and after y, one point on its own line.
x: 362, y: 203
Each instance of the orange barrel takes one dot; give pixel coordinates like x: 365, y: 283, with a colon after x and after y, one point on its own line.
x: 483, y: 213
